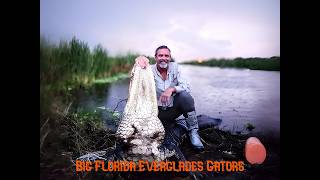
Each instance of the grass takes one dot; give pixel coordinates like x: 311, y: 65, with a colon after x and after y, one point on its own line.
x: 256, y: 63
x: 66, y: 133
x: 73, y: 63
x: 112, y: 79
x: 67, y: 136
x: 70, y: 65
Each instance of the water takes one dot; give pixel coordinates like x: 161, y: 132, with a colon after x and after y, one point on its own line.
x: 237, y: 96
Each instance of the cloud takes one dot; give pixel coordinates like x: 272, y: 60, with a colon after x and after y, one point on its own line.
x: 191, y: 29
x: 188, y: 42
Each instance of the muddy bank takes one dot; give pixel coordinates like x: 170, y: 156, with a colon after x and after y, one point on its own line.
x: 219, y: 145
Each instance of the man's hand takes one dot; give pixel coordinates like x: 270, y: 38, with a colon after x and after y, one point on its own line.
x: 142, y: 61
x: 165, y: 96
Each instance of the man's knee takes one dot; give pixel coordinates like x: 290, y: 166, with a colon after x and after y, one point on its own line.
x: 185, y: 97
x: 185, y: 101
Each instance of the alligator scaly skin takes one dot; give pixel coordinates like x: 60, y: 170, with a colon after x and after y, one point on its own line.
x: 140, y: 129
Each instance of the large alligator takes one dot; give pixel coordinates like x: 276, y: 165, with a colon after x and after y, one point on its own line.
x: 140, y: 129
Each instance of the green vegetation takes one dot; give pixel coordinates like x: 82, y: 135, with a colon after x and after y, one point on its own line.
x: 270, y: 64
x: 66, y: 132
x: 112, y: 79
x: 71, y: 65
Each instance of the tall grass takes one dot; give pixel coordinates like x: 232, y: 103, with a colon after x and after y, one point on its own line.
x: 65, y: 67
x: 71, y: 64
x: 256, y: 63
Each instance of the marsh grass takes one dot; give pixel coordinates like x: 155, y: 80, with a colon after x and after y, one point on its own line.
x: 65, y: 133
x: 70, y: 65
x: 256, y: 63
x: 73, y: 63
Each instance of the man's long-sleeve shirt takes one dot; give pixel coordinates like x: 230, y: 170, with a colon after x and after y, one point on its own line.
x: 173, y: 79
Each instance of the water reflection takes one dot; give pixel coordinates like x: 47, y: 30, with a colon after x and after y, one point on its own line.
x: 238, y: 96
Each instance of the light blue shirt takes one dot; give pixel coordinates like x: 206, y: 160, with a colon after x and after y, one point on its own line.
x: 174, y: 79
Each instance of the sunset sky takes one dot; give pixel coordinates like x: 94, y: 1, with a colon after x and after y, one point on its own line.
x: 191, y: 28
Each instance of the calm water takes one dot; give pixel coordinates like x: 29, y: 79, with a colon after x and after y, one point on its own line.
x: 237, y: 96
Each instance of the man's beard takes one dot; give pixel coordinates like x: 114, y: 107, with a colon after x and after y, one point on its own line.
x: 163, y: 65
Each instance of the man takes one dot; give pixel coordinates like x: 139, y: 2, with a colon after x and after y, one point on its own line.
x: 173, y: 93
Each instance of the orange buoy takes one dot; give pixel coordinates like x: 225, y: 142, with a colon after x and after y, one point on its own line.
x: 255, y: 152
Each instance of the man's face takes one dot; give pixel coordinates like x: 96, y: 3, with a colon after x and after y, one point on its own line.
x: 163, y: 57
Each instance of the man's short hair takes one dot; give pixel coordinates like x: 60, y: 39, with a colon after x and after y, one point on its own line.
x: 161, y: 47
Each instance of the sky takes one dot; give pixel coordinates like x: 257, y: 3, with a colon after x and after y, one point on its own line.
x: 192, y: 29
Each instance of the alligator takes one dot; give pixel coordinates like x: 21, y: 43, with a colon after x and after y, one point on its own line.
x: 140, y: 129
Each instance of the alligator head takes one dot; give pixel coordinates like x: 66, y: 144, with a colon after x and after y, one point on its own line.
x: 140, y: 130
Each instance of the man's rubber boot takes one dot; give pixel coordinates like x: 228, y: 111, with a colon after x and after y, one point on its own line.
x: 192, y: 124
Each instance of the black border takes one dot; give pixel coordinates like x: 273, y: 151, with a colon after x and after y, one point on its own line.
x: 20, y: 88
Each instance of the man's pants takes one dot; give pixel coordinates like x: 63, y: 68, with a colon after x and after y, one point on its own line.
x: 182, y: 104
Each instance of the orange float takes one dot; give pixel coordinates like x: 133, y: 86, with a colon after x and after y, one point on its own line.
x: 255, y: 152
